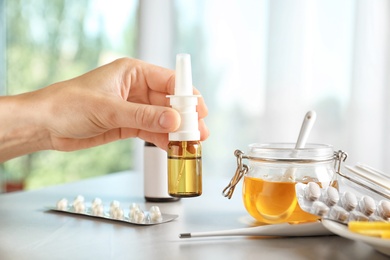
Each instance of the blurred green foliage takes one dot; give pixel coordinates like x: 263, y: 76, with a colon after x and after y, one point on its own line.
x: 50, y: 41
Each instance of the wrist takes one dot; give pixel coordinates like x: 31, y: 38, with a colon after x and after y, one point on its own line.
x: 20, y: 130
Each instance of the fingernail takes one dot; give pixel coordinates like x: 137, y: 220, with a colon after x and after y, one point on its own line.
x: 166, y: 120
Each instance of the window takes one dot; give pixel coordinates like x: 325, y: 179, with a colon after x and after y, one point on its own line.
x: 50, y: 41
x: 261, y: 65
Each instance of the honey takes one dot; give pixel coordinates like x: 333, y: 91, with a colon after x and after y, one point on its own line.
x: 272, y: 173
x: 273, y: 202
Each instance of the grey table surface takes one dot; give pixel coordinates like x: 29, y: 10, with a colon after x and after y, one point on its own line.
x: 29, y: 231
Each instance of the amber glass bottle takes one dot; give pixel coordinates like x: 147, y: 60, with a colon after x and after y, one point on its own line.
x: 184, y: 168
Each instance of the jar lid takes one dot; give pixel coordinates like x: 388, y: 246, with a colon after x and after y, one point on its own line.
x: 288, y: 152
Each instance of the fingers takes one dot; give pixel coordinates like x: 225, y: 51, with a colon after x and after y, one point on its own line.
x: 161, y: 82
x: 201, y: 107
x: 204, y: 131
x: 157, y: 78
x: 155, y: 119
x: 150, y: 118
x: 161, y: 139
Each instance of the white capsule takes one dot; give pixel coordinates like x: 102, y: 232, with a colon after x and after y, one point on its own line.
x: 155, y: 209
x: 134, y: 207
x: 319, y: 208
x: 155, y: 214
x: 331, y: 196
x: 338, y: 213
x: 384, y: 209
x: 78, y: 199
x: 78, y: 204
x: 312, y: 191
x: 349, y: 201
x: 138, y: 217
x: 117, y: 213
x: 133, y: 212
x: 62, y: 204
x: 97, y: 210
x: 367, y: 205
x: 113, y: 206
x: 96, y: 201
x: 115, y: 210
x: 79, y: 207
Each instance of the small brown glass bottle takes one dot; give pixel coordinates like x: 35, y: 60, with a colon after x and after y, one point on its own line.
x: 184, y: 168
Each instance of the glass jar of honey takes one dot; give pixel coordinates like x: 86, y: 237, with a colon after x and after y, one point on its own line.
x: 271, y: 174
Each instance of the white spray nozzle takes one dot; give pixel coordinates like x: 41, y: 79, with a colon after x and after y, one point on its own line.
x: 183, y: 80
x: 184, y: 101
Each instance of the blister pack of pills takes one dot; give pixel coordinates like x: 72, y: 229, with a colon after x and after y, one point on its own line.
x: 341, y: 206
x: 133, y: 214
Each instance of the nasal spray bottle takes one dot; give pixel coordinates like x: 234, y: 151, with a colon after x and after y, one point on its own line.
x: 184, y: 148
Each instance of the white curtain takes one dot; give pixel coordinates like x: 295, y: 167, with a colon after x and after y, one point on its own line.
x: 262, y: 64
x: 367, y: 119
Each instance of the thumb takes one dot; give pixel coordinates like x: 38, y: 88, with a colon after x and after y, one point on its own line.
x: 157, y: 119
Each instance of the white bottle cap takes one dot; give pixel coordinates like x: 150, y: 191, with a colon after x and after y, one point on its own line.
x: 184, y: 101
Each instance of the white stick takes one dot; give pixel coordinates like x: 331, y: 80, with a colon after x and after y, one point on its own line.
x: 304, y: 133
x: 285, y: 229
x: 306, y: 127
